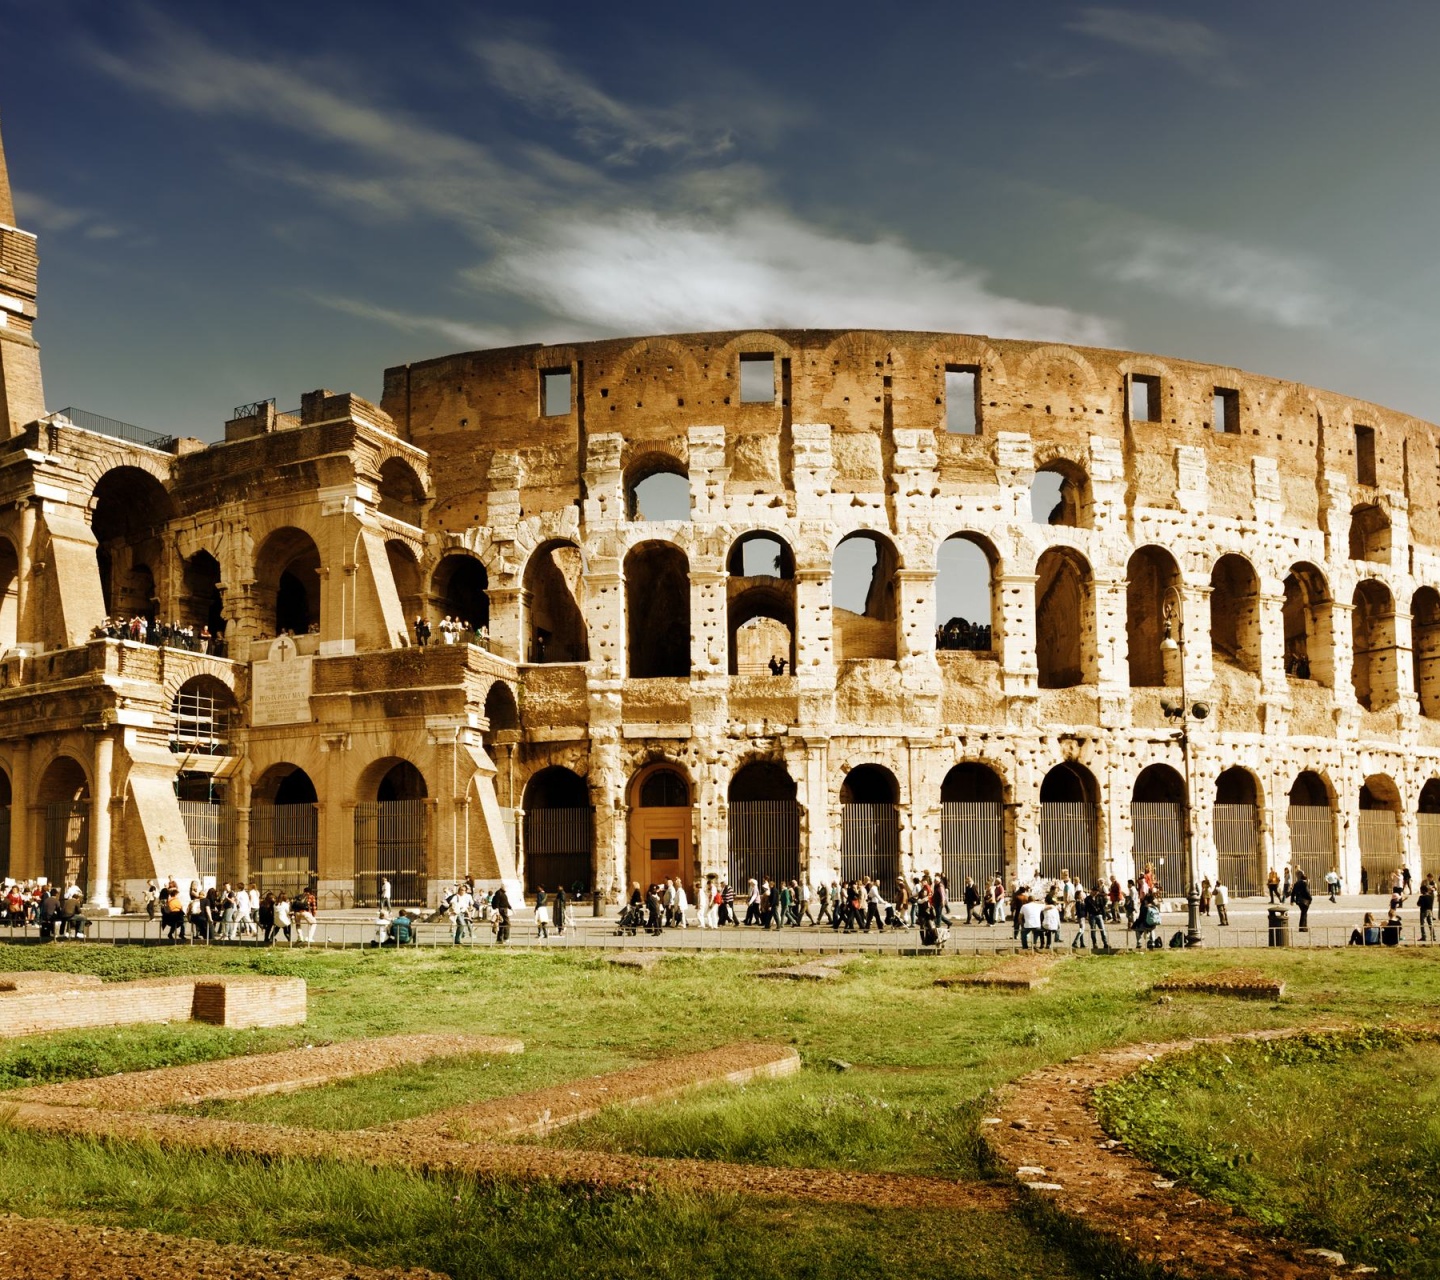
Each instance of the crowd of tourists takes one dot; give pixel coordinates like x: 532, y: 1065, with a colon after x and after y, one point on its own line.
x: 231, y: 913
x: 57, y: 911
x: 451, y: 631
x: 175, y: 635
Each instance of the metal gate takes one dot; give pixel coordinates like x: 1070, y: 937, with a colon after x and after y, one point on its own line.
x: 1067, y: 840
x: 67, y: 844
x: 1157, y: 837
x: 1312, y: 842
x: 559, y: 848
x: 972, y: 842
x: 764, y: 841
x: 284, y: 840
x: 1427, y: 828
x: 870, y: 843
x: 211, y: 828
x: 390, y: 845
x: 1237, y: 842
x: 1379, y: 848
x: 5, y: 839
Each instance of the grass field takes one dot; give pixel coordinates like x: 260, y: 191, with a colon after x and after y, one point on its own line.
x: 922, y: 1061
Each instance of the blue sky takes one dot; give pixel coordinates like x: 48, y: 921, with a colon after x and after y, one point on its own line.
x: 243, y: 200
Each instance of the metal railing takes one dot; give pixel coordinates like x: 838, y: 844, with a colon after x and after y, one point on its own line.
x: 1427, y: 828
x: 764, y: 842
x: 112, y: 427
x: 67, y: 843
x: 212, y: 832
x: 559, y: 848
x: 1237, y: 843
x: 870, y: 842
x: 1380, y: 854
x: 284, y: 842
x: 1068, y: 840
x: 254, y: 409
x: 972, y: 842
x: 390, y: 845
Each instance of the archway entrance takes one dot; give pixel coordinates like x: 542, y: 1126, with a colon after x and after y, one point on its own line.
x: 1312, y: 828
x: 390, y: 841
x: 1427, y: 827
x: 65, y: 799
x: 1068, y: 814
x: 5, y: 801
x: 287, y: 583
x: 764, y: 821
x: 1237, y: 832
x: 284, y: 831
x: 972, y: 826
x: 662, y: 845
x: 1380, y: 853
x: 1157, y: 826
x: 559, y: 832
x: 870, y: 826
x: 131, y: 509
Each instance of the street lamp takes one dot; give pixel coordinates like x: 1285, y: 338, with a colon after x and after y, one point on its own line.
x: 1174, y: 642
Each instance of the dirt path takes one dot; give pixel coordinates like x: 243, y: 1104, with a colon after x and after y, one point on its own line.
x: 1048, y: 1133
x: 46, y: 1249
x: 262, y: 1073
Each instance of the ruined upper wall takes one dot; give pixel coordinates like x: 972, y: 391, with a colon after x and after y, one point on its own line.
x: 464, y: 409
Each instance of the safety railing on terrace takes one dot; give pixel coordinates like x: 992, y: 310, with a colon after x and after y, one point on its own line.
x: 128, y: 431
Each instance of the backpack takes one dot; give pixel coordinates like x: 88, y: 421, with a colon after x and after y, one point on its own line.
x: 1177, y: 940
x: 1152, y: 917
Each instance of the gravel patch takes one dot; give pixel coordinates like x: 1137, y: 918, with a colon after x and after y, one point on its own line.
x: 1020, y: 973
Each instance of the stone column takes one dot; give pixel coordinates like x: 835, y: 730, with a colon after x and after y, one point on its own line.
x: 507, y: 606
x: 335, y: 835
x: 100, y: 826
x: 28, y: 634
x: 1014, y: 633
x: 23, y: 851
x: 818, y: 854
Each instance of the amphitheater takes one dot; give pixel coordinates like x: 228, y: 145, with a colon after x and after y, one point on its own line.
x: 707, y: 587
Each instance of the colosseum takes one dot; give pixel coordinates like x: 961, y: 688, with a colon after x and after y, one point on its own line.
x: 791, y: 602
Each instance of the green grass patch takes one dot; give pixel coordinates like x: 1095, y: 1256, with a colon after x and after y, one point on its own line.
x: 1331, y: 1138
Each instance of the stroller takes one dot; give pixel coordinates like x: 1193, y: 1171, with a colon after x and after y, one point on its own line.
x: 632, y: 918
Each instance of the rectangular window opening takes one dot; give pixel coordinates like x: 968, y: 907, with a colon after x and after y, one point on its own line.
x: 554, y: 392
x: 962, y: 399
x: 1364, y: 455
x: 757, y: 378
x: 1144, y: 398
x: 1225, y: 412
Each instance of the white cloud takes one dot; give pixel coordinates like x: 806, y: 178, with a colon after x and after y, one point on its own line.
x: 1192, y: 266
x: 35, y: 212
x: 640, y: 272
x: 1191, y: 44
x: 408, y: 322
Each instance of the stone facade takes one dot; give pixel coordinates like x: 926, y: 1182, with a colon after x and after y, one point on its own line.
x: 1193, y: 582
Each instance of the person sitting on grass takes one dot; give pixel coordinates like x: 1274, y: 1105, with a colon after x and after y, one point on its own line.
x: 1368, y: 935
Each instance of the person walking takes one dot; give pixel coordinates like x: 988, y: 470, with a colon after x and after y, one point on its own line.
x: 562, y: 914
x: 1029, y: 920
x: 1332, y: 882
x: 1426, y: 902
x: 500, y: 906
x: 1096, y: 905
x: 385, y: 892
x: 1272, y: 882
x: 542, y: 913
x: 1301, y: 896
x: 1222, y: 900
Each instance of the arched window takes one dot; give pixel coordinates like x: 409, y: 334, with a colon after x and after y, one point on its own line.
x: 461, y: 590
x: 402, y: 496
x: 390, y: 834
x: 405, y: 572
x: 1311, y: 821
x: 1151, y: 581
x: 870, y: 825
x: 764, y: 825
x: 1157, y: 824
x: 1379, y: 828
x: 1369, y: 533
x: 972, y: 826
x: 1425, y: 643
x: 1060, y: 494
x: 1064, y: 620
x: 1427, y: 823
x: 201, y: 604
x: 1372, y: 622
x: 554, y: 617
x: 664, y: 789
x: 964, y: 593
x: 657, y: 487
x: 1308, y: 647
x: 284, y: 831
x: 205, y: 712
x: 657, y: 610
x: 129, y: 512
x: 9, y: 597
x: 559, y: 832
x: 1235, y: 613
x: 64, y: 796
x: 864, y: 597
x: 287, y: 582
x: 1069, y: 838
x: 1237, y: 831
x: 761, y: 606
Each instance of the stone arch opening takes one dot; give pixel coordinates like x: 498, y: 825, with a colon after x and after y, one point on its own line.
x: 870, y: 825
x: 460, y: 588
x: 1064, y: 620
x: 202, y: 605
x: 391, y: 821
x: 1309, y: 650
x: 763, y: 817
x: 1235, y: 613
x: 1370, y: 533
x: 559, y: 832
x: 760, y: 597
x: 1381, y: 855
x: 972, y: 826
x: 1425, y: 646
x: 553, y: 605
x: 501, y: 737
x: 1060, y: 495
x: 284, y: 831
x: 7, y: 861
x: 1151, y: 580
x: 1236, y: 829
x: 64, y: 798
x: 405, y: 572
x: 1157, y: 824
x: 965, y: 593
x: 1372, y: 628
x: 129, y: 510
x: 657, y: 611
x: 9, y: 596
x: 206, y: 714
x: 657, y: 487
x: 287, y: 583
x: 1427, y: 823
x: 402, y: 494
x: 1311, y: 820
x: 1069, y: 815
x: 662, y: 845
x: 863, y: 593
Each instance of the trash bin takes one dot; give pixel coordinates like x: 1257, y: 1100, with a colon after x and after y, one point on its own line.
x: 596, y: 907
x: 1279, y: 926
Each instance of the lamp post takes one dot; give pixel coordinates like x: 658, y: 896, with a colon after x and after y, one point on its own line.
x: 1174, y: 642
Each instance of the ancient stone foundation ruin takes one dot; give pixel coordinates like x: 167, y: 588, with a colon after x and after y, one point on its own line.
x: 804, y: 602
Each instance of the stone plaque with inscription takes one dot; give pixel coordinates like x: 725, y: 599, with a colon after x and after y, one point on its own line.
x: 280, y: 686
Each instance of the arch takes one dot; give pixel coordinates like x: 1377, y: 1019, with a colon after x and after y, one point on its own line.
x: 287, y: 582
x: 1069, y: 837
x: 1150, y: 577
x: 760, y: 554
x: 284, y: 831
x: 763, y: 817
x: 460, y: 588
x: 1235, y: 819
x: 1425, y: 647
x: 1064, y: 620
x: 1427, y: 825
x: 401, y: 492
x: 205, y: 712
x: 501, y: 736
x: 391, y: 844
x: 1372, y: 629
x: 657, y: 487
x: 870, y: 825
x: 662, y: 844
x: 863, y: 594
x: 201, y: 602
x: 1311, y: 820
x: 965, y: 593
x: 1060, y: 495
x: 129, y: 510
x: 1309, y: 649
x: 1378, y: 824
x: 6, y: 803
x: 500, y: 709
x: 405, y: 572
x: 64, y: 796
x: 1235, y: 613
x: 972, y: 826
x: 657, y: 611
x: 662, y: 787
x: 1157, y: 824
x: 760, y: 596
x: 1369, y: 533
x: 9, y: 596
x: 559, y: 831
x: 553, y: 609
